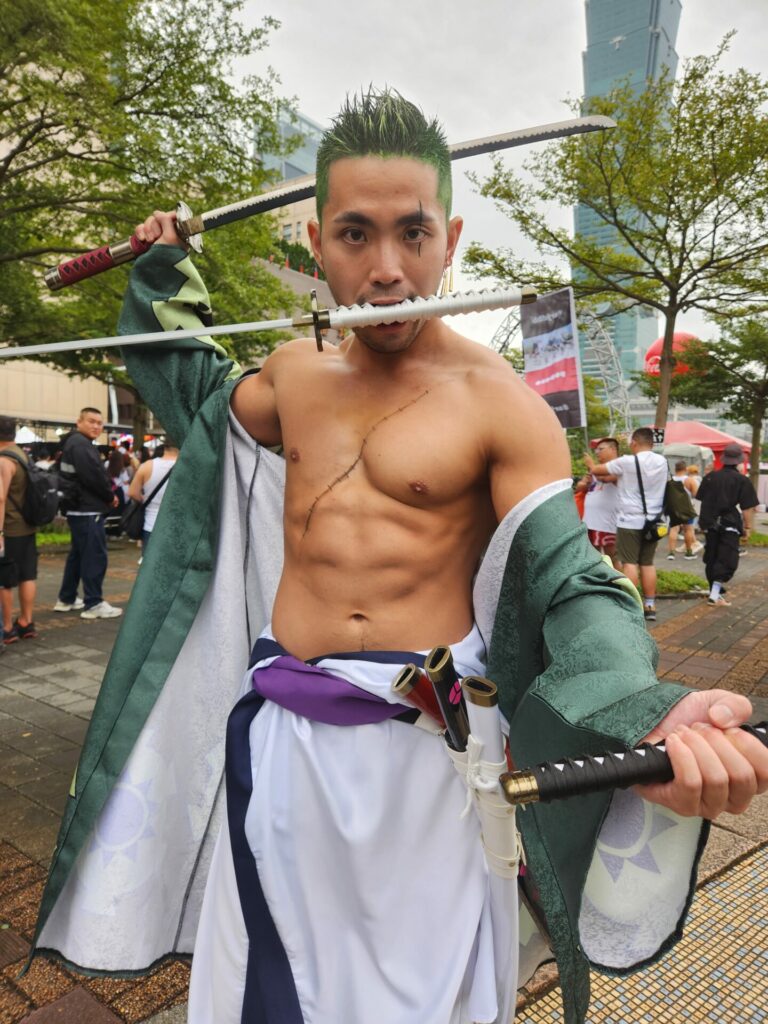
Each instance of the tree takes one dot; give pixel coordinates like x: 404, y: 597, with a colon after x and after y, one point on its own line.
x: 733, y: 372
x: 108, y: 110
x: 680, y: 189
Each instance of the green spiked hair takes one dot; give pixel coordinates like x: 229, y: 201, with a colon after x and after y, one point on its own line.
x: 383, y: 123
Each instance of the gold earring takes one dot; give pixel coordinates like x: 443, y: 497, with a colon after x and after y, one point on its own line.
x: 446, y: 285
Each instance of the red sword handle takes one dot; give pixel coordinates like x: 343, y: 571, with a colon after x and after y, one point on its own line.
x: 95, y: 262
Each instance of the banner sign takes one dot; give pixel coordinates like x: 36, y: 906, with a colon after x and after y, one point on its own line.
x: 551, y: 355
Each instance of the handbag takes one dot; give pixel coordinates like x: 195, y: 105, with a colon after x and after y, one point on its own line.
x: 653, y: 529
x: 132, y: 519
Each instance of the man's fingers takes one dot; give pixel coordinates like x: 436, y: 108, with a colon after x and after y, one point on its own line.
x: 160, y: 226
x: 683, y: 793
x: 755, y: 752
x: 728, y: 709
x: 742, y: 780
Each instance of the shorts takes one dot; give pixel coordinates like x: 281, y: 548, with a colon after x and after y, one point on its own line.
x: 600, y: 539
x: 23, y: 551
x: 631, y: 549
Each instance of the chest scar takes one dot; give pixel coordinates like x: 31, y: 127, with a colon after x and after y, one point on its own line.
x: 347, y: 472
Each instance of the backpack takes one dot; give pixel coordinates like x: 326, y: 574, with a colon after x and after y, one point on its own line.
x: 677, y: 503
x: 41, y: 501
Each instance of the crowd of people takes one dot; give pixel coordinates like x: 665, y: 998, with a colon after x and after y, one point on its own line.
x: 95, y: 484
x: 624, y: 505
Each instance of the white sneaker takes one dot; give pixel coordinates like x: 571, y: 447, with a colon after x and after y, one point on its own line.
x: 697, y: 547
x: 62, y: 606
x: 670, y: 557
x: 102, y: 610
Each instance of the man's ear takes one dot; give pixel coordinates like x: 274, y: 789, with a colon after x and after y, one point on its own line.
x: 314, y: 231
x: 455, y: 224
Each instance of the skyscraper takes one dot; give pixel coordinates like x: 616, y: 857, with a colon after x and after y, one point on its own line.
x: 635, y: 40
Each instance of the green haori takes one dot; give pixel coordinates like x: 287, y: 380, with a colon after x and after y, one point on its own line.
x: 560, y: 653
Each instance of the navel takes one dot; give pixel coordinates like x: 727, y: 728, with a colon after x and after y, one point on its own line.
x: 294, y: 455
x: 418, y: 487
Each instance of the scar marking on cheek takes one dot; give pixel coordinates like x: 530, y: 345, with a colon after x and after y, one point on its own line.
x: 347, y: 472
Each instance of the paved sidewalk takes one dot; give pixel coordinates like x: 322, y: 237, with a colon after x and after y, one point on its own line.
x: 47, y: 690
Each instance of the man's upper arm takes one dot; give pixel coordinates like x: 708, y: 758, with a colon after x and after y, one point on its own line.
x: 7, y: 469
x: 527, y: 447
x: 254, y: 404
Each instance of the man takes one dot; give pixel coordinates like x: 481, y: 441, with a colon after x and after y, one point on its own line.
x: 344, y: 883
x: 640, y: 479
x: 601, y: 502
x: 728, y: 502
x: 17, y: 538
x: 692, y: 546
x: 88, y: 498
x: 148, y: 485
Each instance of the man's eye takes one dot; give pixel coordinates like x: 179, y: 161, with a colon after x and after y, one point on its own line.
x: 415, y: 234
x: 353, y: 235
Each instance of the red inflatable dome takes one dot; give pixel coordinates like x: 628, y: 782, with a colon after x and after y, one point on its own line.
x: 653, y: 356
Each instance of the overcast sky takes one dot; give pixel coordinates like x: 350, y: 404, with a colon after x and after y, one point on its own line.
x: 482, y: 67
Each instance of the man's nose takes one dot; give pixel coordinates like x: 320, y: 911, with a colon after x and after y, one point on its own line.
x: 386, y: 266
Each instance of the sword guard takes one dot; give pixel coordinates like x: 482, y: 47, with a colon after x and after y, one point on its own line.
x: 316, y: 320
x: 189, y: 227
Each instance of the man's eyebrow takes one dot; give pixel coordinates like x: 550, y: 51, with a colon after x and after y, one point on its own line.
x: 361, y: 220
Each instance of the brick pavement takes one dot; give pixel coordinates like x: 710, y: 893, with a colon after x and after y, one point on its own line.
x: 47, y: 690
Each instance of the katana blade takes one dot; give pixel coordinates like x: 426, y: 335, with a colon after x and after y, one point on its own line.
x: 190, y: 227
x: 341, y: 317
x: 577, y: 776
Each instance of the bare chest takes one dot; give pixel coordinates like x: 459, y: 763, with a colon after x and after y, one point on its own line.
x: 417, y: 444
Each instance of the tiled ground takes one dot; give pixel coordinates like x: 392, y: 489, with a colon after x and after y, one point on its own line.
x: 717, y: 974
x: 47, y: 690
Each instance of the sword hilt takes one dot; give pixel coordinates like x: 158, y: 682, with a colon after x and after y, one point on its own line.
x: 88, y: 264
x: 577, y: 776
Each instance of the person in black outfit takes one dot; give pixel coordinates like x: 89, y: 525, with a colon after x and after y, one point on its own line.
x: 728, y: 501
x: 88, y: 496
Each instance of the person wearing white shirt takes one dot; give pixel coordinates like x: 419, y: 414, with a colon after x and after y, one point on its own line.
x: 601, y: 502
x: 632, y: 549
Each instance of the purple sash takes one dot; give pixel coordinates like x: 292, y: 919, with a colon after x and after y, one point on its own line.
x: 319, y: 695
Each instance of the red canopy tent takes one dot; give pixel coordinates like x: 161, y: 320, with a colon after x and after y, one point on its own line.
x: 693, y: 432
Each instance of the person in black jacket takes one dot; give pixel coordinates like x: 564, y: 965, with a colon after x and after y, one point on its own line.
x: 88, y: 497
x: 728, y: 501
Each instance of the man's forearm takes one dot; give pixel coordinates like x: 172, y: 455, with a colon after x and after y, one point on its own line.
x: 749, y: 519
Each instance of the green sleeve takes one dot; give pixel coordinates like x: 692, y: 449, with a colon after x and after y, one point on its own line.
x: 576, y: 673
x: 174, y: 378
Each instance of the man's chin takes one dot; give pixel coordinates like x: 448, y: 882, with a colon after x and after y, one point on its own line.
x: 389, y: 339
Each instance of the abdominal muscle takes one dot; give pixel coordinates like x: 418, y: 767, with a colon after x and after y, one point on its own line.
x: 372, y: 573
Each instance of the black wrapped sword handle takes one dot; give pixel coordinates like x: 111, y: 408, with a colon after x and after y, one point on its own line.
x: 577, y: 776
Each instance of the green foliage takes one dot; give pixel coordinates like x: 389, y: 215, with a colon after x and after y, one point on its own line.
x: 598, y: 425
x: 675, y: 582
x: 110, y: 110
x: 299, y: 256
x: 757, y: 540
x: 679, y: 188
x: 731, y: 371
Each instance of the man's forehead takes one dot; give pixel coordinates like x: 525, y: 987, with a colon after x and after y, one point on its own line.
x: 378, y: 179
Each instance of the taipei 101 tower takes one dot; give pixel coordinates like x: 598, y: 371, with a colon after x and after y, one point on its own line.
x: 635, y: 40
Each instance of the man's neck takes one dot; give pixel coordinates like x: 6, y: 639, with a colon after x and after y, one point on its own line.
x: 6, y: 444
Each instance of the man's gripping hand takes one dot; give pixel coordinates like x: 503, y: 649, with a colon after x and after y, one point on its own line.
x: 717, y: 766
x: 160, y: 229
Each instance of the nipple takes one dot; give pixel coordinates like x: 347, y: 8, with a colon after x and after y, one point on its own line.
x: 294, y: 455
x: 418, y: 487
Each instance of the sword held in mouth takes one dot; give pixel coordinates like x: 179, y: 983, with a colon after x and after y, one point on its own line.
x: 345, y: 317
x: 190, y: 227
